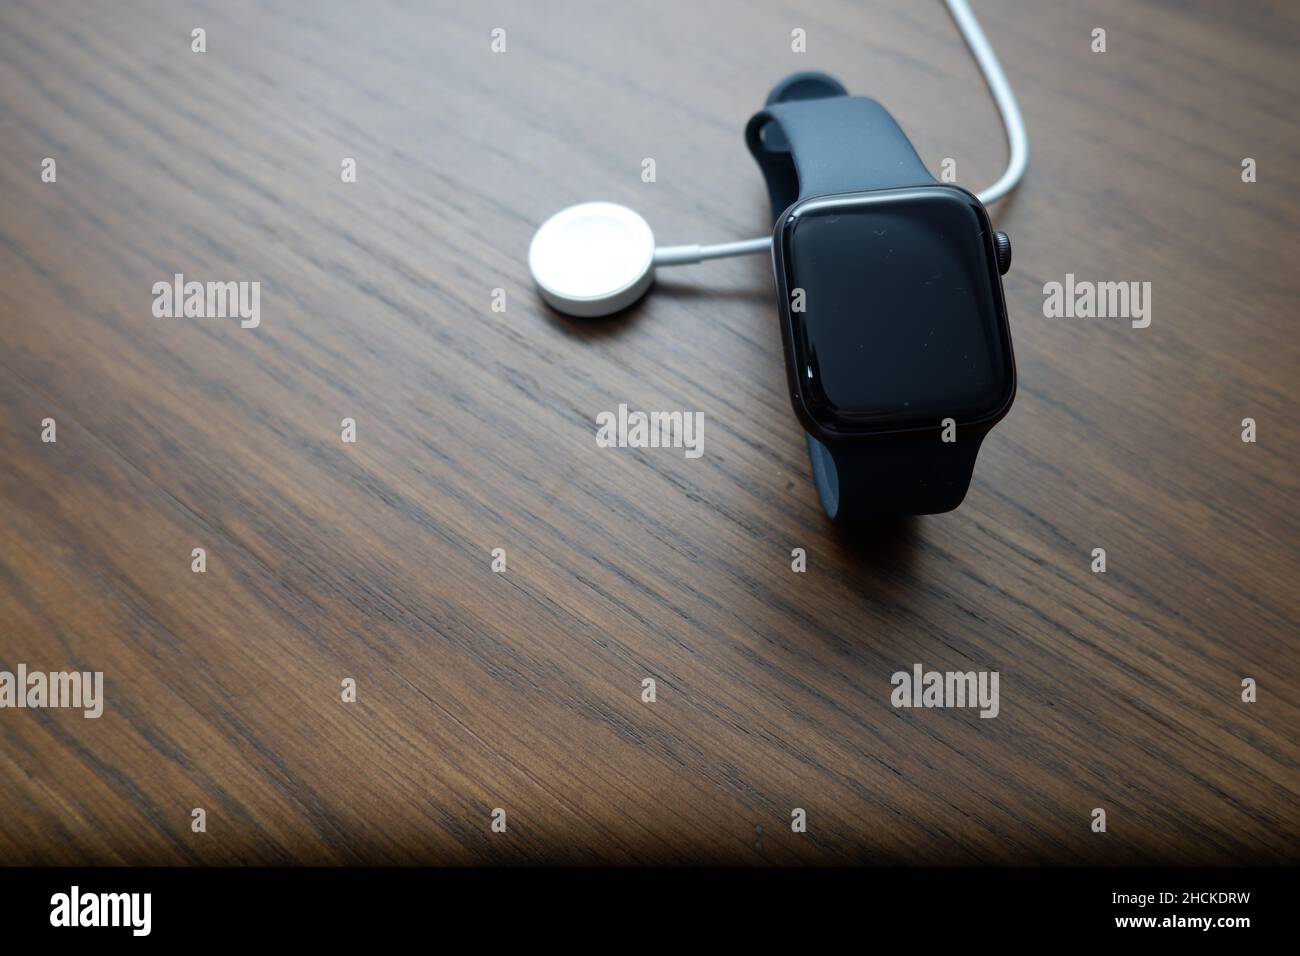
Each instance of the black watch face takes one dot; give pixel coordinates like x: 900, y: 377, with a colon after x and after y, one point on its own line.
x: 893, y: 311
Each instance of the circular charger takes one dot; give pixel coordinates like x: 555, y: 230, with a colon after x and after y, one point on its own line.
x: 592, y: 259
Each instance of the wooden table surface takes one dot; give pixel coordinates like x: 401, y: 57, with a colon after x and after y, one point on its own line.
x: 522, y: 690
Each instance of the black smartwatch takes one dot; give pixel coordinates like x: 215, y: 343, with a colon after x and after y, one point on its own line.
x: 889, y: 286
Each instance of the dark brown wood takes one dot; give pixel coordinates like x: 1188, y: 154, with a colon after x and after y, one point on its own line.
x: 521, y: 690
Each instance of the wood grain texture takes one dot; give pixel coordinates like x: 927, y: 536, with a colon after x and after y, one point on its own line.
x: 475, y: 431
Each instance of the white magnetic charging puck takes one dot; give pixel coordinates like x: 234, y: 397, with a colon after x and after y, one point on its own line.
x: 592, y: 259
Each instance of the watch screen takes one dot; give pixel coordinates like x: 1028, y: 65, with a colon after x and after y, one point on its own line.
x: 895, y: 309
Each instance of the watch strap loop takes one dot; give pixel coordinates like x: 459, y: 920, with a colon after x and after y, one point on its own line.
x: 845, y: 144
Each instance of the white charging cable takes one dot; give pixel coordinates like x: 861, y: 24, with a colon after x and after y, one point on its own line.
x: 1012, y: 122
x: 597, y: 258
x: 1003, y: 95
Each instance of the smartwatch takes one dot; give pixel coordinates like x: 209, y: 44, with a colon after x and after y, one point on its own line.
x: 889, y: 284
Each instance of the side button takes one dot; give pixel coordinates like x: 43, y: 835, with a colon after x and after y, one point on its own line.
x: 1003, y: 243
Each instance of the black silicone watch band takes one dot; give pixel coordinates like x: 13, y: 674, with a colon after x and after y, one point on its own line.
x: 908, y: 476
x: 833, y: 144
x: 813, y: 139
